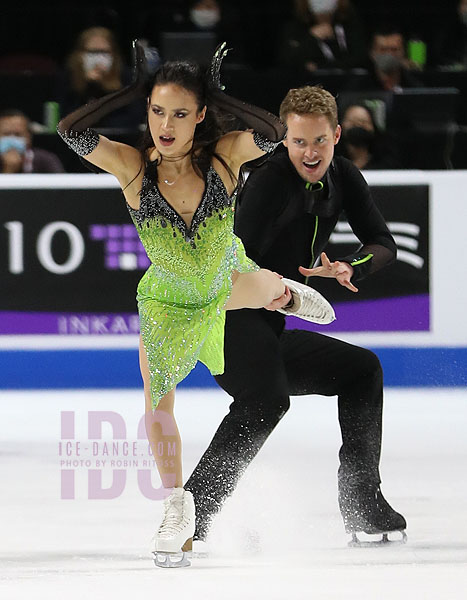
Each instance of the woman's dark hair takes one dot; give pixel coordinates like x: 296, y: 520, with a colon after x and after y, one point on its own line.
x: 190, y: 77
x: 384, y: 148
x: 364, y: 105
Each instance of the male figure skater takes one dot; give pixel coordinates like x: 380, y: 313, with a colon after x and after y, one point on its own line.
x: 287, y: 211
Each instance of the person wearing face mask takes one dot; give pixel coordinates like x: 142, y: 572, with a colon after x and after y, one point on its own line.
x: 205, y: 14
x: 95, y: 68
x: 219, y: 18
x: 450, y: 46
x: 363, y: 143
x: 17, y: 154
x: 287, y: 211
x: 387, y: 65
x: 323, y: 34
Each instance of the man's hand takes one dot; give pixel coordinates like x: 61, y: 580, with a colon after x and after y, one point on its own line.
x: 282, y: 300
x: 342, y: 271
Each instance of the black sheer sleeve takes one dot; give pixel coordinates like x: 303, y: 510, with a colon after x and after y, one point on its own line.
x: 75, y: 128
x: 378, y: 246
x: 269, y: 129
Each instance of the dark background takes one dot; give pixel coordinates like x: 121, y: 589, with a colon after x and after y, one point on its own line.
x: 50, y: 27
x: 252, y: 74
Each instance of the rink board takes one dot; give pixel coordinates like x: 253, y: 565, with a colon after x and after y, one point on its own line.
x: 62, y: 324
x: 49, y: 369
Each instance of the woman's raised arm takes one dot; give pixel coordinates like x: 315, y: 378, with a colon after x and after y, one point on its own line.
x: 268, y: 130
x: 76, y: 128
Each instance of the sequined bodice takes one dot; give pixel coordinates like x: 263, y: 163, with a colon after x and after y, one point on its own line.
x: 153, y: 204
x: 189, y: 264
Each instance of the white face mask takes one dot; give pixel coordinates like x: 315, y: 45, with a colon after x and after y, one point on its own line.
x: 322, y: 6
x: 12, y: 142
x: 205, y: 17
x: 103, y: 60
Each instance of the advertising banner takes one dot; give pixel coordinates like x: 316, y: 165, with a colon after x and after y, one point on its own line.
x: 70, y: 262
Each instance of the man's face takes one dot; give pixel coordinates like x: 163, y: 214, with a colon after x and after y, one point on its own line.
x: 310, y: 143
x: 388, y: 44
x: 16, y: 126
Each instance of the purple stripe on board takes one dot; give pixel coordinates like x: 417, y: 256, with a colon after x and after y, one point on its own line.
x: 27, y: 323
x: 409, y: 313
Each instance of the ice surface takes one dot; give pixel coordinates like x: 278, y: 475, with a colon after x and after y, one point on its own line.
x: 280, y: 536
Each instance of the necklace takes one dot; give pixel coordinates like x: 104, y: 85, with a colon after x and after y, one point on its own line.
x: 166, y: 181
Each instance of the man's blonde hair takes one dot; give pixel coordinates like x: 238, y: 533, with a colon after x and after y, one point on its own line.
x: 310, y: 100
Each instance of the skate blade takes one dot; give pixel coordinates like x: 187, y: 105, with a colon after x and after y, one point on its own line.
x: 355, y: 542
x: 195, y: 554
x: 171, y: 560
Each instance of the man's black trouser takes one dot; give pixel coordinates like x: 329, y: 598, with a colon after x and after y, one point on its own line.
x: 261, y: 371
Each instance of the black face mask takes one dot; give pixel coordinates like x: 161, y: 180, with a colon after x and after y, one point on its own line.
x: 359, y: 137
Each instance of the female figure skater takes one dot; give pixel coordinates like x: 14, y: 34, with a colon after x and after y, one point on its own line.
x: 180, y: 192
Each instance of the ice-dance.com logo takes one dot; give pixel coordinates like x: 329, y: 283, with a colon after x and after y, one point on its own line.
x: 108, y: 462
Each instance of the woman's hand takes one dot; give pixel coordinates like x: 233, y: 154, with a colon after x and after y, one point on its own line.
x: 341, y: 271
x: 282, y: 300
x: 215, y: 68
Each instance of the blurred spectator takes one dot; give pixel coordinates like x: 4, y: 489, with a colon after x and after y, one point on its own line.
x: 363, y: 142
x: 95, y: 68
x: 17, y: 155
x: 451, y: 42
x: 324, y: 34
x: 160, y: 16
x: 387, y: 64
x: 204, y: 15
x: 217, y: 17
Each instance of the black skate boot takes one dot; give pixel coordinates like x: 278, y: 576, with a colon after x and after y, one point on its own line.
x: 365, y: 510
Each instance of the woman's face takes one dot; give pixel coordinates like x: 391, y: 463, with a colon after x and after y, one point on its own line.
x: 173, y: 115
x: 97, y: 55
x: 97, y: 43
x: 357, y: 116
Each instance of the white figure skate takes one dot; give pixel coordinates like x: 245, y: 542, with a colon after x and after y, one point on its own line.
x: 308, y: 304
x: 173, y: 540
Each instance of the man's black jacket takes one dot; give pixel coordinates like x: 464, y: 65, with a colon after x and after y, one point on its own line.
x: 284, y: 225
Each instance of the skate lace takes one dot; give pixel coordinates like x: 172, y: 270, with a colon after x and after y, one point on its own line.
x: 312, y: 305
x: 174, y: 518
